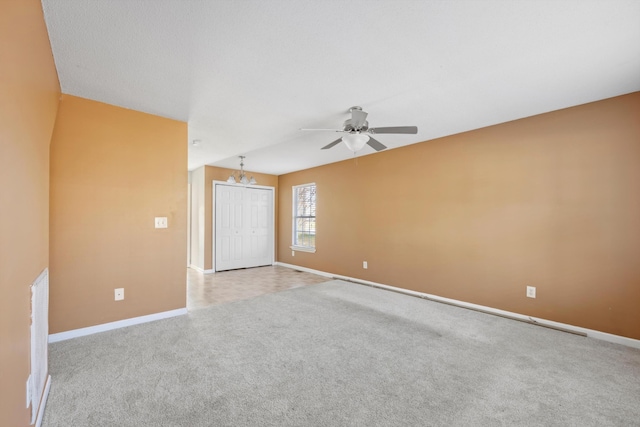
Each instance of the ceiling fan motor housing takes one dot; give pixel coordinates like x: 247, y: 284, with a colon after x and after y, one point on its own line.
x: 348, y: 126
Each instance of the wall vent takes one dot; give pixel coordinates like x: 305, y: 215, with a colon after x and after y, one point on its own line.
x: 39, y: 342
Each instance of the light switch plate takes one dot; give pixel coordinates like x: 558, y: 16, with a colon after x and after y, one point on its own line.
x: 161, y: 222
x: 119, y: 294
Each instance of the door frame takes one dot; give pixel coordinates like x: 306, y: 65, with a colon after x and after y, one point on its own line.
x: 189, y: 222
x: 272, y: 238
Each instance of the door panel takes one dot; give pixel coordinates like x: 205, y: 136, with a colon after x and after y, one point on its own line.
x: 259, y: 229
x: 223, y: 248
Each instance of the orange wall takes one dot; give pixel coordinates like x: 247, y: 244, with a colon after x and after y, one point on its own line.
x: 28, y: 106
x: 213, y: 173
x: 112, y: 171
x: 551, y: 201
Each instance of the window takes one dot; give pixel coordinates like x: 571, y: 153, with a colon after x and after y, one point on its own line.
x: 304, y: 218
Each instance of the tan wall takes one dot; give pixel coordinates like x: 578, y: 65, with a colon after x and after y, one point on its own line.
x: 213, y: 173
x: 112, y: 171
x: 551, y: 201
x: 28, y: 106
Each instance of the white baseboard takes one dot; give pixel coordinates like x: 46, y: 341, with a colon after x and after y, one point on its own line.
x: 75, y: 333
x: 201, y: 270
x: 43, y: 402
x: 309, y: 270
x: 617, y: 339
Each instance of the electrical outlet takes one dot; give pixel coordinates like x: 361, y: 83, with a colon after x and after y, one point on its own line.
x: 119, y: 294
x: 531, y: 292
x: 365, y: 265
x: 161, y: 222
x: 293, y: 253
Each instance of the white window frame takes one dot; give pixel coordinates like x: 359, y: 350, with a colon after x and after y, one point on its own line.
x: 294, y: 216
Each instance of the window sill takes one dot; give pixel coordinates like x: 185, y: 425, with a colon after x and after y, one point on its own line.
x: 303, y: 249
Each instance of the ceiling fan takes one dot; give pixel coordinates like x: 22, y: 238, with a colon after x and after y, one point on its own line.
x: 358, y: 133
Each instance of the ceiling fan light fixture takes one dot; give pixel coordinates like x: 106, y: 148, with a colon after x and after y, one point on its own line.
x: 357, y: 132
x: 355, y: 141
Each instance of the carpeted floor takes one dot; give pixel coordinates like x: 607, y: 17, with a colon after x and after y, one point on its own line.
x: 341, y: 354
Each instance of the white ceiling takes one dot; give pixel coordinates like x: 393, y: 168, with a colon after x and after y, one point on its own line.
x: 247, y: 74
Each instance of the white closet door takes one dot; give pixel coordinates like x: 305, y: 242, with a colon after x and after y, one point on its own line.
x: 229, y: 227
x: 244, y: 227
x: 259, y: 227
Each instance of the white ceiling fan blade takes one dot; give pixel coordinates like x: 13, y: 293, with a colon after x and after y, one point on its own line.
x: 376, y: 145
x: 326, y: 130
x: 358, y: 117
x: 395, y: 129
x: 336, y: 142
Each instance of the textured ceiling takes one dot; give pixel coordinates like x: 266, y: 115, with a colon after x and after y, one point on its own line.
x: 246, y: 75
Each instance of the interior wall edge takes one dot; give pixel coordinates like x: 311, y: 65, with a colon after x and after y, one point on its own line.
x: 28, y: 108
x: 103, y: 198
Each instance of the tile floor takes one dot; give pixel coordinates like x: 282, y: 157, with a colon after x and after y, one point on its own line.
x: 204, y: 290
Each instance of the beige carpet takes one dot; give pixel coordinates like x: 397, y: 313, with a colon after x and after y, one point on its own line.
x: 341, y: 354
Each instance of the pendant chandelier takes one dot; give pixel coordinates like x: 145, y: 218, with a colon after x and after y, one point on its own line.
x: 242, y: 177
